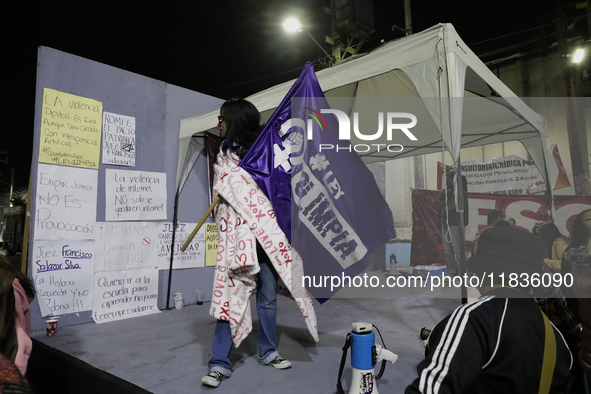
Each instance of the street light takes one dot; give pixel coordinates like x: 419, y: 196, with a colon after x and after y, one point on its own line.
x: 293, y: 25
x: 578, y: 56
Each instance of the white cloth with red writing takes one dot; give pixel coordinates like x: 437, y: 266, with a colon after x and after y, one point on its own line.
x: 245, y: 215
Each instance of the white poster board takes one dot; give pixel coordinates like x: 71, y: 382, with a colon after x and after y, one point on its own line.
x: 65, y: 202
x: 125, y: 294
x: 62, y: 272
x: 125, y: 281
x: 193, y: 256
x: 118, y: 139
x: 124, y: 246
x: 135, y: 195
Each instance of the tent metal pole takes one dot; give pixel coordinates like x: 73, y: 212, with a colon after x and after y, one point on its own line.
x: 462, y: 252
x: 174, y: 225
x: 548, y: 185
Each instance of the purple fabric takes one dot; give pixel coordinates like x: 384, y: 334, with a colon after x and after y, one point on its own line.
x: 338, y: 216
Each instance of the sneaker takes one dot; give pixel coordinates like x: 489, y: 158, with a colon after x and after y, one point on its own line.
x: 212, y: 379
x: 280, y: 363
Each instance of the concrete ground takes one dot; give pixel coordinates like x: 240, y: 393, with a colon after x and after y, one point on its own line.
x: 167, y: 353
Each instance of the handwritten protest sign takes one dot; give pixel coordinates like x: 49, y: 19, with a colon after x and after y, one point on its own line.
x: 211, y: 243
x: 193, y: 256
x: 135, y: 195
x: 63, y: 271
x: 65, y: 203
x: 125, y: 246
x: 125, y: 281
x: 70, y: 130
x: 118, y: 139
x: 119, y: 297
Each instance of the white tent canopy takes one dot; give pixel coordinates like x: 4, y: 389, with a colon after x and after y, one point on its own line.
x: 435, y: 66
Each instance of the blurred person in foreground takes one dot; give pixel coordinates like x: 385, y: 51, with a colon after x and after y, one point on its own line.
x: 11, y: 380
x: 496, y: 223
x: 16, y: 293
x: 501, y: 343
x: 576, y: 261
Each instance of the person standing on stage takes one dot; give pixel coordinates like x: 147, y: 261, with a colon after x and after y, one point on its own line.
x: 239, y: 126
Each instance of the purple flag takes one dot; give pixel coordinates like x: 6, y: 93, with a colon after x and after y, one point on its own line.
x: 326, y: 200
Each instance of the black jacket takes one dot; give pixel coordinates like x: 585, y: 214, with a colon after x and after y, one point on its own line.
x: 494, y: 345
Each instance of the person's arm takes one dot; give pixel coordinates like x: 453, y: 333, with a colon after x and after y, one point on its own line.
x: 452, y: 365
x: 554, y: 265
x: 559, y: 248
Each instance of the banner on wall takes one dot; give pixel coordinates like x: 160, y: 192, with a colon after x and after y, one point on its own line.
x: 193, y: 256
x: 124, y: 246
x: 506, y: 175
x: 135, y: 195
x: 211, y: 244
x: 527, y: 211
x: 70, y: 130
x: 65, y: 203
x: 511, y: 175
x: 62, y: 272
x: 125, y: 278
x: 118, y: 139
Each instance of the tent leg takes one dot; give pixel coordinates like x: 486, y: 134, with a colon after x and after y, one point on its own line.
x: 174, y: 225
x: 462, y: 254
x: 548, y: 187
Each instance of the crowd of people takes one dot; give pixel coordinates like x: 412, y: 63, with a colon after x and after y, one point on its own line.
x: 501, y: 342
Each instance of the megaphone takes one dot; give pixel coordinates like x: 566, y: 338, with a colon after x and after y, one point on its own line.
x: 365, y: 354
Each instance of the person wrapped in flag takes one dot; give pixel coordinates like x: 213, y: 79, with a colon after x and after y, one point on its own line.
x: 253, y: 252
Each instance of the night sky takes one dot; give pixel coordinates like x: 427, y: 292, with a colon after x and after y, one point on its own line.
x: 221, y: 48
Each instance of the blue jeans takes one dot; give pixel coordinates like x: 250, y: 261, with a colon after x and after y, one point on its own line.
x: 267, y: 310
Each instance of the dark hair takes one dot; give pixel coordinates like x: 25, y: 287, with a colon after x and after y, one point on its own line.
x: 491, y: 216
x: 536, y: 229
x: 501, y: 223
x: 579, y: 233
x: 12, y: 273
x: 242, y: 121
x: 548, y: 233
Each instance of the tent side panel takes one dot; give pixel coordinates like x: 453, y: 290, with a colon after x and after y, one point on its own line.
x: 194, y: 199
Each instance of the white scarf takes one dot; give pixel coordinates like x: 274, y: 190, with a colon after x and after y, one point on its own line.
x: 243, y: 216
